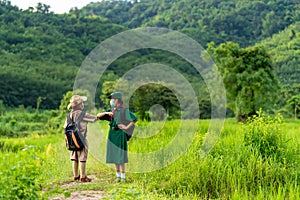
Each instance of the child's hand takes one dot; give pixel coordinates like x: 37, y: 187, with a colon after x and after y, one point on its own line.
x: 108, y: 113
x: 122, y: 126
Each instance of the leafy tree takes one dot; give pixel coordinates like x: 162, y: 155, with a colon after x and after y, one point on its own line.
x: 107, y: 89
x: 2, y: 108
x: 294, y: 101
x: 155, y: 94
x: 248, y: 77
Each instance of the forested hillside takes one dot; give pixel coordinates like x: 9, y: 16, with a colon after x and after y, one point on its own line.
x: 284, y: 48
x: 42, y: 51
x: 242, y: 21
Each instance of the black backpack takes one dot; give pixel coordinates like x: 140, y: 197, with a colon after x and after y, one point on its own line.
x: 74, y: 139
x: 129, y: 131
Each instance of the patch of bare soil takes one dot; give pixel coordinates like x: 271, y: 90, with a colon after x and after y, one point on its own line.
x: 81, y: 195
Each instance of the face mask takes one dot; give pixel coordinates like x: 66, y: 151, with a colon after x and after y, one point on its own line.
x: 112, y: 103
x: 82, y: 106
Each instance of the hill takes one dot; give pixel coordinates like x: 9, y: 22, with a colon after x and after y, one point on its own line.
x: 41, y: 52
x: 284, y: 48
x: 242, y: 21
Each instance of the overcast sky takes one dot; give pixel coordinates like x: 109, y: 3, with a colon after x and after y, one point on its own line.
x: 57, y: 6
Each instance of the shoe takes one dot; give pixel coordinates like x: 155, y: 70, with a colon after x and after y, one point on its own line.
x: 85, y: 179
x: 76, y: 178
x: 118, y: 179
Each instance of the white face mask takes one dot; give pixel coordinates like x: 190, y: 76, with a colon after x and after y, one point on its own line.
x: 112, y: 103
x: 82, y: 107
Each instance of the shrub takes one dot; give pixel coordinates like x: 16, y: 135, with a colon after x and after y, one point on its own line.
x: 262, y: 133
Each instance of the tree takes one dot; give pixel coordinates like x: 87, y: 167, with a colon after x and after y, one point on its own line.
x: 150, y: 95
x: 248, y: 77
x: 42, y: 8
x: 294, y: 101
x: 107, y: 89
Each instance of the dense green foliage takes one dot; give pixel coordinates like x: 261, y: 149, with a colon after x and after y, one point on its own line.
x: 41, y: 53
x: 248, y: 77
x: 244, y: 22
x: 284, y: 49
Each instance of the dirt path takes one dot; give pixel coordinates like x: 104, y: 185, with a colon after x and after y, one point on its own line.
x: 81, y: 195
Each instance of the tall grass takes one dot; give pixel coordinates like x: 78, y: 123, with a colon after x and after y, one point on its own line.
x: 244, y: 164
x: 231, y: 170
x: 21, y: 164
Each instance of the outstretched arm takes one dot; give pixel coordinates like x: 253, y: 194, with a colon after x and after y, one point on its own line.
x: 102, y: 114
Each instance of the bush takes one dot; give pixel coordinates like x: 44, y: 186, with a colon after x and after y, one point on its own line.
x: 262, y: 133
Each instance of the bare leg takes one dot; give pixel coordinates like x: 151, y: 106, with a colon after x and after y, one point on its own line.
x: 117, y: 167
x: 122, y: 166
x: 118, y: 174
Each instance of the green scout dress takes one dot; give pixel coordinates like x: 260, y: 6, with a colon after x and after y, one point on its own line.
x: 116, y: 148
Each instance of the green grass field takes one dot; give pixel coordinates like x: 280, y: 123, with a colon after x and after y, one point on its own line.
x: 259, y: 160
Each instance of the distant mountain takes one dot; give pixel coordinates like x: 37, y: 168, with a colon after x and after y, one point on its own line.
x: 242, y: 21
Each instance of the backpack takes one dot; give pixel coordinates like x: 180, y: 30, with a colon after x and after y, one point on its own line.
x: 129, y: 131
x: 74, y: 140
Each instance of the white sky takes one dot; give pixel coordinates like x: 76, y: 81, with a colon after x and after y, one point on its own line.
x: 57, y: 6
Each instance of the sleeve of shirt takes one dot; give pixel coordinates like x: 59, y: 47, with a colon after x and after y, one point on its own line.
x: 106, y: 117
x: 89, y: 118
x: 130, y: 116
x: 117, y: 116
x: 66, y: 123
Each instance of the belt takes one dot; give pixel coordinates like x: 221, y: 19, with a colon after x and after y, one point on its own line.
x: 115, y: 128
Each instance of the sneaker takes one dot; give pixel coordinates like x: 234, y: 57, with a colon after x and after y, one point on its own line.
x: 85, y: 179
x: 118, y: 179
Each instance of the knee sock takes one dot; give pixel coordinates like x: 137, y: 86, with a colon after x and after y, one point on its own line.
x: 123, y: 175
x: 82, y: 169
x: 75, y: 168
